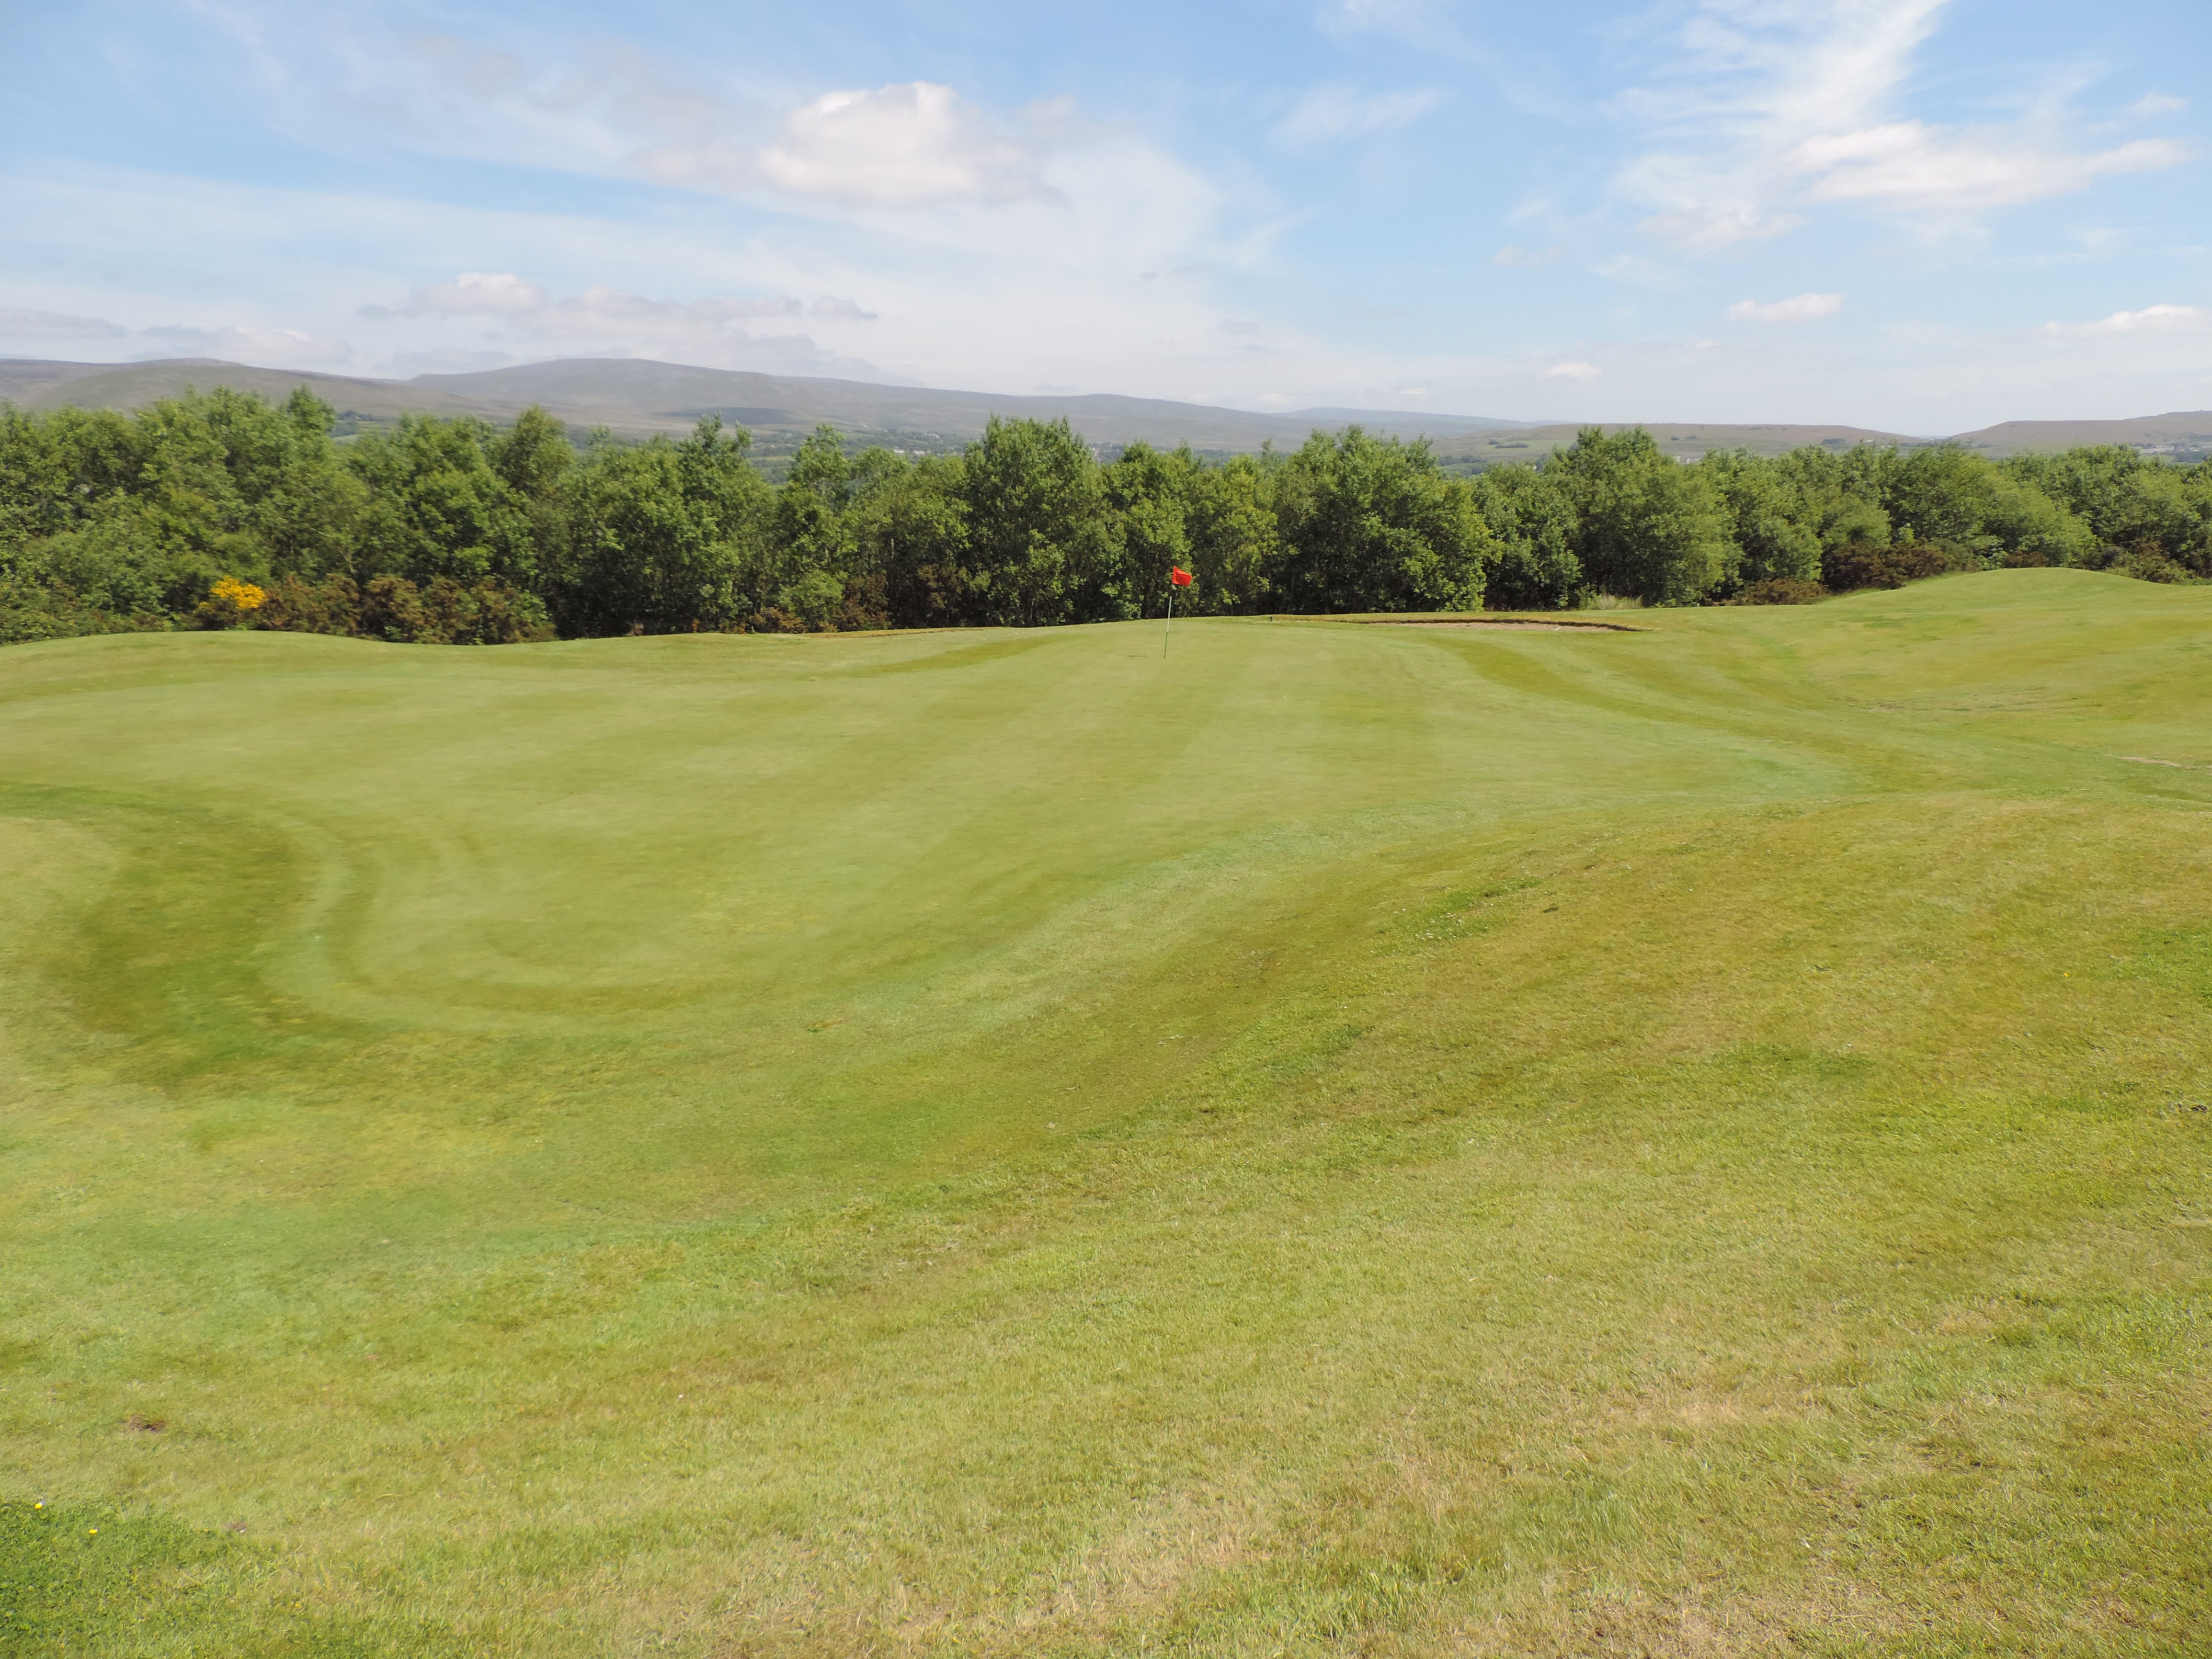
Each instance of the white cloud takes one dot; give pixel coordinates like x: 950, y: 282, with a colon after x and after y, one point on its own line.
x: 1803, y: 308
x: 1584, y: 372
x: 1118, y: 290
x: 917, y: 145
x: 1525, y: 80
x: 2151, y: 319
x: 1331, y: 112
x: 2158, y: 103
x: 503, y: 294
x: 998, y: 246
x: 1421, y: 22
x: 1723, y: 225
x: 1640, y: 272
x: 1522, y: 258
x: 603, y: 319
x: 623, y: 113
x: 56, y: 326
x: 271, y: 348
x: 1915, y: 169
x: 1771, y: 106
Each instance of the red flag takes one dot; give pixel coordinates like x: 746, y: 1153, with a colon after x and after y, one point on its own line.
x: 1178, y: 576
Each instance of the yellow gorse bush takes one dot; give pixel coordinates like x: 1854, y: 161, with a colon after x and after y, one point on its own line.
x: 243, y: 595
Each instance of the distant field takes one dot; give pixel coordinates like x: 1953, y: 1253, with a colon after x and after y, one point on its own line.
x: 2186, y: 437
x: 636, y: 398
x: 1685, y: 440
x: 1343, y: 1139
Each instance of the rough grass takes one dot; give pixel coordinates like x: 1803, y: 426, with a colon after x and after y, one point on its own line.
x: 1354, y: 1139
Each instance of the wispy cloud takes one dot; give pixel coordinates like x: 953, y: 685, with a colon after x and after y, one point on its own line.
x: 504, y: 295
x: 601, y: 319
x: 2151, y: 319
x: 1912, y: 168
x: 1330, y: 112
x: 281, y: 348
x: 919, y: 144
x: 19, y: 325
x: 1425, y: 23
x: 1637, y: 271
x: 1768, y: 109
x: 1523, y: 80
x: 274, y: 348
x: 1803, y: 308
x: 499, y: 294
x: 622, y: 112
x: 1582, y: 371
x: 1522, y: 258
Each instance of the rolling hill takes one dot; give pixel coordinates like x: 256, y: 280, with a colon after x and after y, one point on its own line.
x: 1688, y: 1139
x: 2184, y: 436
x: 637, y: 397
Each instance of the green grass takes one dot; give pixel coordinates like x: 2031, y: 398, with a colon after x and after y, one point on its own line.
x: 1350, y: 1139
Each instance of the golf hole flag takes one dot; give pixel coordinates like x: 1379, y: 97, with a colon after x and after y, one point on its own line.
x: 1178, y: 577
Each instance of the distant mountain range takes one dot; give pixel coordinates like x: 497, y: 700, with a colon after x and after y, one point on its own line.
x: 636, y: 398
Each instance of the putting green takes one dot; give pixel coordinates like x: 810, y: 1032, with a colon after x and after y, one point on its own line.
x: 1350, y: 1138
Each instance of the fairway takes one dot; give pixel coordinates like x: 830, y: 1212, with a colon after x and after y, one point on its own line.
x: 1343, y: 1139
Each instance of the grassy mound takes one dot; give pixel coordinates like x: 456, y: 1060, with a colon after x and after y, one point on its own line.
x: 1352, y: 1138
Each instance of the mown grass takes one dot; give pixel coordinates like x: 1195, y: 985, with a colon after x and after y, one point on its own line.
x: 1352, y: 1140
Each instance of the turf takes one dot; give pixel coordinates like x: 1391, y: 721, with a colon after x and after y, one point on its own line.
x: 1350, y: 1139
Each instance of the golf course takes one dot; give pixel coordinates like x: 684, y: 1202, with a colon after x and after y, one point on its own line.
x: 1691, y: 1136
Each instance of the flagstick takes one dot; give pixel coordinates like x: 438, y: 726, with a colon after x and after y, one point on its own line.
x: 1169, y: 629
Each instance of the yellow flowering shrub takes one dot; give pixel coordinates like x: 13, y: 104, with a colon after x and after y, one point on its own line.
x: 240, y: 596
x: 230, y: 602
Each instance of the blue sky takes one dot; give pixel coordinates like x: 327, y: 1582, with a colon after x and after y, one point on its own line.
x: 1916, y: 214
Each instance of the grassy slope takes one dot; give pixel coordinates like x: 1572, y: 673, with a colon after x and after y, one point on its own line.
x: 1349, y: 1140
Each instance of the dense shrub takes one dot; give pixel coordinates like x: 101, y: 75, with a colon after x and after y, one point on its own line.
x: 1871, y: 564
x: 1781, y: 590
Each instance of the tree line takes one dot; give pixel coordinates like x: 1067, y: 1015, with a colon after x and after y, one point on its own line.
x: 221, y: 510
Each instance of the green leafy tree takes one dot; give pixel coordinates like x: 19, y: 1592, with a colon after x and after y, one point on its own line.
x: 1041, y: 546
x: 1373, y: 524
x: 812, y: 545
x: 533, y: 458
x: 1650, y: 529
x: 438, y: 507
x: 1531, y: 517
x: 2138, y: 507
x: 1235, y: 539
x: 453, y: 531
x: 1945, y: 495
x: 1771, y: 521
x: 663, y: 536
x: 1151, y: 495
x: 57, y: 469
x: 910, y: 534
